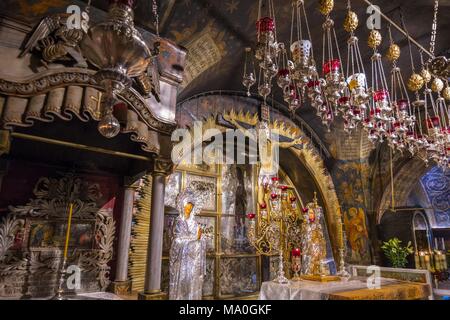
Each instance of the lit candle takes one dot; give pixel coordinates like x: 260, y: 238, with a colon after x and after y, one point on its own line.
x: 417, y: 260
x: 422, y: 259
x: 427, y: 261
x: 66, y: 246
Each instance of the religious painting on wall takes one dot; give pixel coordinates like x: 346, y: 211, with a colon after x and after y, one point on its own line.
x: 349, y: 177
x: 52, y: 234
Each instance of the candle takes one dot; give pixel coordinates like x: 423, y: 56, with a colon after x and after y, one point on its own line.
x: 417, y: 260
x: 437, y: 265
x: 69, y: 222
x: 422, y: 259
x: 296, y: 252
x: 427, y: 261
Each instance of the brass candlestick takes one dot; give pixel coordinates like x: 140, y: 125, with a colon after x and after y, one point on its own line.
x: 342, y: 272
x: 59, y: 294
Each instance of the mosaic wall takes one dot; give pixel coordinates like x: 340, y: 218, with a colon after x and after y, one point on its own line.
x: 436, y: 184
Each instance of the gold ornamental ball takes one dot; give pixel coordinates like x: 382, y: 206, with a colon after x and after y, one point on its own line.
x: 437, y: 85
x: 393, y: 52
x: 415, y: 82
x: 426, y: 75
x: 326, y: 6
x: 446, y: 93
x: 351, y: 21
x: 375, y: 39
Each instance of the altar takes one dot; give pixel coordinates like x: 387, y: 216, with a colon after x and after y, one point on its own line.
x: 355, y: 288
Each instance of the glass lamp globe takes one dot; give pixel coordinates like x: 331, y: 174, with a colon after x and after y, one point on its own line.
x: 109, y: 126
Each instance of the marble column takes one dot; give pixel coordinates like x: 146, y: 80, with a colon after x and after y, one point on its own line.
x: 122, y: 285
x: 152, y: 285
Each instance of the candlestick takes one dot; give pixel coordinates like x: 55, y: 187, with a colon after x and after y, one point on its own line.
x: 69, y: 222
x: 60, y: 291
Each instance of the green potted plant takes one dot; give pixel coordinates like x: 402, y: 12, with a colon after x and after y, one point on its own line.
x: 397, y: 254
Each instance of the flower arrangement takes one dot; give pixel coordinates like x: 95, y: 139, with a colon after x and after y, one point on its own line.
x: 397, y: 254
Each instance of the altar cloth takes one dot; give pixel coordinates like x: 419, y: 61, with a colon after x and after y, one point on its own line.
x: 354, y: 289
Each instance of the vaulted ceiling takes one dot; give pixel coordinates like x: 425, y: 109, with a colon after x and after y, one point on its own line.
x: 216, y: 32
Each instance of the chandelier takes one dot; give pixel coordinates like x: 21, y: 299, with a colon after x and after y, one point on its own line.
x: 384, y: 109
x: 120, y: 53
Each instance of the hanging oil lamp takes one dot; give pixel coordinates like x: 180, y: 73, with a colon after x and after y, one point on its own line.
x: 120, y: 53
x: 304, y: 65
x: 353, y: 105
x: 333, y: 81
x: 248, y: 80
x: 404, y: 121
x: 380, y: 110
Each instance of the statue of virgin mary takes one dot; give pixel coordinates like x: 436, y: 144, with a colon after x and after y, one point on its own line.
x: 188, y: 250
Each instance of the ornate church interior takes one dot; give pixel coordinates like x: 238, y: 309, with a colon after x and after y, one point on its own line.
x: 224, y: 150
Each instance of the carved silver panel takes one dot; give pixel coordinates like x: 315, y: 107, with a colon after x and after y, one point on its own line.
x: 238, y: 276
x: 29, y: 262
x: 211, y: 202
x: 173, y: 187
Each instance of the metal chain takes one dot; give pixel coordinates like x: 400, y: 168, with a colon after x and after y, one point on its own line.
x: 409, y: 40
x: 155, y: 13
x: 434, y: 27
x: 88, y: 7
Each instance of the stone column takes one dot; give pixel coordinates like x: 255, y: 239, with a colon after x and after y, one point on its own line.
x: 122, y: 285
x: 152, y: 285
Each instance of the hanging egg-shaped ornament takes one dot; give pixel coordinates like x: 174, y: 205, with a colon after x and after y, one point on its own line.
x: 426, y: 75
x: 393, y: 52
x: 351, y: 22
x: 446, y: 93
x: 375, y: 39
x: 326, y: 6
x: 109, y: 126
x: 415, y: 82
x: 437, y: 85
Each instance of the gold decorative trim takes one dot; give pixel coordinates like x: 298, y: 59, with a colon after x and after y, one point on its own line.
x: 53, y: 79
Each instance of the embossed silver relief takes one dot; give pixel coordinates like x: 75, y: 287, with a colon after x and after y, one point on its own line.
x: 238, y: 276
x: 237, y: 202
x: 173, y: 186
x: 28, y: 270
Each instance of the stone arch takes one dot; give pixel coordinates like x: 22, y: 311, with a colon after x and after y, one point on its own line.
x: 405, y: 179
x: 308, y: 156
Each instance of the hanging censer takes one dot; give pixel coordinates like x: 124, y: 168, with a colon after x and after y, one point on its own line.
x: 353, y: 105
x: 401, y: 133
x: 333, y: 81
x: 380, y: 117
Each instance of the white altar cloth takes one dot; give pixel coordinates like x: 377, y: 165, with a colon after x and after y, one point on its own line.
x: 312, y: 290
